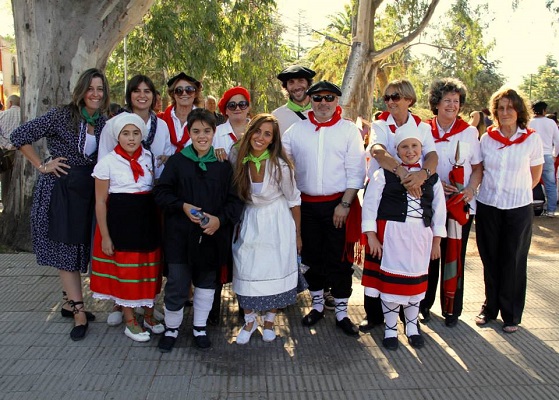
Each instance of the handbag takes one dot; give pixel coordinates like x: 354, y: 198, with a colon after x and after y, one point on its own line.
x: 6, y: 159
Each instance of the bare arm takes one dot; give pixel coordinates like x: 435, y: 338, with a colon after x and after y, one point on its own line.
x: 296, y: 214
x: 536, y: 172
x: 56, y: 166
x: 101, y: 195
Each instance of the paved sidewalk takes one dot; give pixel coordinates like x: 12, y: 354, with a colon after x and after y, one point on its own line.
x: 39, y: 361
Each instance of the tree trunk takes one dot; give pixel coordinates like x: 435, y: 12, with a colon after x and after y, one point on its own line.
x: 56, y: 41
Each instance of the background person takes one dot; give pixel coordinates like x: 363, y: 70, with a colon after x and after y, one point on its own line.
x: 9, y: 120
x: 72, y: 134
x: 211, y: 105
x: 512, y: 161
x: 458, y: 149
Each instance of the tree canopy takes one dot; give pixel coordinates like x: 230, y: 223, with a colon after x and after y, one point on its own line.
x: 544, y: 84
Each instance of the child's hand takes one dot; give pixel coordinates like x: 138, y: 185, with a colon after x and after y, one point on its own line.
x: 374, y: 244
x: 436, y: 248
x: 212, y: 226
x: 107, y: 246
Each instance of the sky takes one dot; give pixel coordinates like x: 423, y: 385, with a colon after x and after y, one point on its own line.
x: 523, y: 38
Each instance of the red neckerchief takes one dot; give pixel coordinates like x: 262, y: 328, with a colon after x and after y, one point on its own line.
x: 137, y: 169
x: 384, y: 117
x: 458, y: 126
x: 494, y: 134
x: 233, y: 137
x: 335, y: 118
x: 410, y: 166
x: 166, y: 116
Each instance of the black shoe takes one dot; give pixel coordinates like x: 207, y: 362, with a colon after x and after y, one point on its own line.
x: 426, y: 314
x: 312, y: 318
x: 203, y: 341
x: 416, y: 341
x: 69, y: 314
x: 390, y: 343
x: 451, y: 320
x: 348, y: 327
x: 213, y: 319
x: 166, y: 343
x: 78, y: 332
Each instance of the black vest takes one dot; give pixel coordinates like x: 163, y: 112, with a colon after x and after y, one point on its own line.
x: 394, y: 203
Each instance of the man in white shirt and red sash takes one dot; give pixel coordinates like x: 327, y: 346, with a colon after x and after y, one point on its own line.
x: 329, y: 169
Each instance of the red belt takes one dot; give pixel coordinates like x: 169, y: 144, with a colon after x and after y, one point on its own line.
x: 320, y: 199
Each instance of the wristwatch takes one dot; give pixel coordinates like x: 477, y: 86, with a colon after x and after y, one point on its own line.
x: 428, y: 172
x: 345, y: 204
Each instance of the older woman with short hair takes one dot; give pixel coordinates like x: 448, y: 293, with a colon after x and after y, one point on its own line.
x: 513, y: 161
x: 458, y: 149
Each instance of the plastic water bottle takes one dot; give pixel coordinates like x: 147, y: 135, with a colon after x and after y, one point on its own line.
x: 204, y: 219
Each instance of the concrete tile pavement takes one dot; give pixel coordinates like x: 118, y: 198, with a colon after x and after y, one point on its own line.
x: 39, y: 361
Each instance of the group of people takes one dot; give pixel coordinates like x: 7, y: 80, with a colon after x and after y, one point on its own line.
x: 178, y: 195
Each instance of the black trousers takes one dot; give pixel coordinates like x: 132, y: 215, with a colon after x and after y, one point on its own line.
x: 323, y: 249
x: 438, y: 265
x: 503, y: 240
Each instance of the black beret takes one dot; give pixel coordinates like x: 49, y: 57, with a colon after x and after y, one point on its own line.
x: 324, y: 86
x: 295, y: 71
x: 185, y: 77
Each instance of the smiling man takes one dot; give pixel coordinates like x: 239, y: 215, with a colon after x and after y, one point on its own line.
x: 329, y: 169
x: 296, y: 81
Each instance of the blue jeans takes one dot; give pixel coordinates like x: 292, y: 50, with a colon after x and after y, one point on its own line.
x: 548, y: 176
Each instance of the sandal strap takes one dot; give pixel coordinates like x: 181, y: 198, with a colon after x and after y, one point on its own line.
x: 75, y: 306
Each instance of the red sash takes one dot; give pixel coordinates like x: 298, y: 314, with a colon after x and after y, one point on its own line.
x: 335, y: 118
x: 166, y: 116
x: 458, y: 126
x: 384, y: 117
x: 494, y: 134
x: 233, y: 137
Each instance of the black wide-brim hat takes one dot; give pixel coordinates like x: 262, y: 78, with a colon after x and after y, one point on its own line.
x: 185, y: 77
x: 324, y: 86
x: 296, y: 71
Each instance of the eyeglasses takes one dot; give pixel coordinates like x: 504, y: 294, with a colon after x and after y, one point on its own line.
x: 232, y: 106
x: 318, y: 98
x: 179, y: 90
x: 394, y: 96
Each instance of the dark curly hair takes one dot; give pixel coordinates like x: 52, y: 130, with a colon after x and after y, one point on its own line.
x: 442, y: 87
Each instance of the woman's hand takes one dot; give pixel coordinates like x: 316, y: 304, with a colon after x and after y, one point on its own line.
x: 56, y: 167
x: 221, y: 155
x: 436, y: 248
x: 449, y: 189
x: 299, y: 244
x: 107, y: 246
x: 162, y: 159
x: 413, y: 181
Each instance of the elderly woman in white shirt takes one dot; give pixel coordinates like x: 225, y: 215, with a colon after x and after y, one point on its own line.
x: 512, y: 161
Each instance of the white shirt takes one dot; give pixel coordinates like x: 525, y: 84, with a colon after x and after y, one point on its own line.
x: 373, y: 195
x: 548, y: 131
x: 470, y: 154
x: 161, y: 143
x: 507, y: 181
x: 117, y: 170
x: 179, y: 129
x: 287, y: 117
x: 327, y: 161
x: 381, y: 134
x: 222, y: 138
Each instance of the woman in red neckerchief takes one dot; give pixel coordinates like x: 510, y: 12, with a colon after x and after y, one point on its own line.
x: 186, y: 95
x: 512, y: 161
x: 458, y: 149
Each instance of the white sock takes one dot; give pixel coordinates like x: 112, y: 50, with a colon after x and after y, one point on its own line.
x: 390, y: 311
x: 318, y: 300
x: 411, y: 311
x: 270, y: 317
x: 341, y: 308
x: 203, y: 299
x: 173, y: 320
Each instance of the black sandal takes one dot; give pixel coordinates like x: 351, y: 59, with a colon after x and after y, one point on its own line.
x: 69, y: 313
x: 79, y: 331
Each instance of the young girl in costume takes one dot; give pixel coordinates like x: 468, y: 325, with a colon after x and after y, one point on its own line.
x: 126, y: 249
x: 403, y: 234
x: 265, y: 251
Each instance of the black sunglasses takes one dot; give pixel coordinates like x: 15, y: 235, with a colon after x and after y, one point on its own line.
x: 394, y: 96
x: 179, y: 90
x: 232, y: 106
x: 318, y: 98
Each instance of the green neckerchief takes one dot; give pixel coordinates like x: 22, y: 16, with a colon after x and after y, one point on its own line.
x: 90, y: 119
x: 189, y: 152
x: 257, y: 160
x: 296, y: 107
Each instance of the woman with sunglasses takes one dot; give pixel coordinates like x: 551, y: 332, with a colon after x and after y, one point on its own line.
x: 235, y: 105
x: 458, y: 149
x: 186, y: 95
x: 399, y: 96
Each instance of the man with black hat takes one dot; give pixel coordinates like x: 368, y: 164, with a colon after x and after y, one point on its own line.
x: 185, y: 93
x: 329, y: 169
x: 295, y: 80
